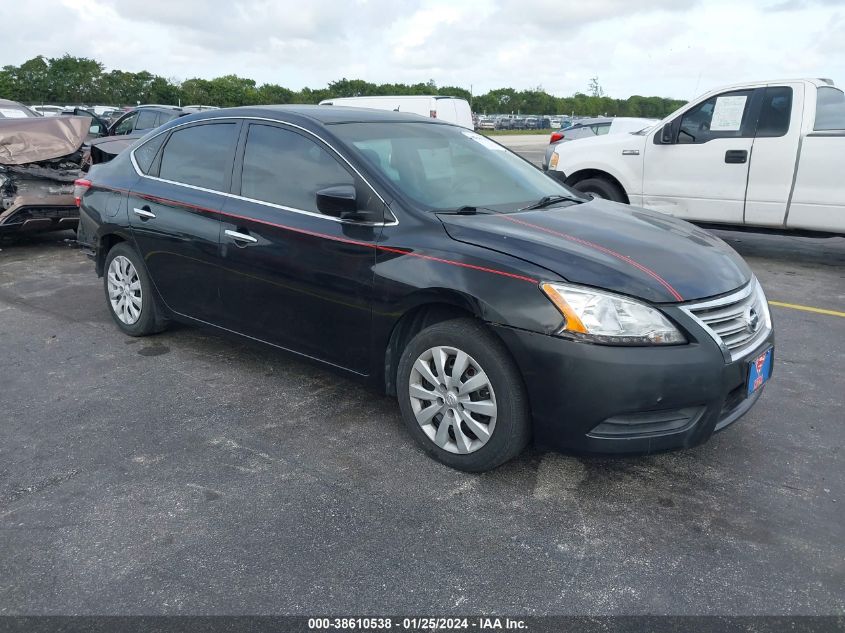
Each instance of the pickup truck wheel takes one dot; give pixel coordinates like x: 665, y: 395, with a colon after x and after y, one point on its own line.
x: 601, y: 188
x: 462, y: 397
x: 130, y: 296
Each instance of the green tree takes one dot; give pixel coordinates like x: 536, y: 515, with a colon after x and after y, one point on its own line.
x: 271, y: 93
x: 73, y: 79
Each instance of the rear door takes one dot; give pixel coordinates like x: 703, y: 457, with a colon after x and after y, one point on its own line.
x: 173, y: 213
x: 291, y: 275
x: 702, y: 174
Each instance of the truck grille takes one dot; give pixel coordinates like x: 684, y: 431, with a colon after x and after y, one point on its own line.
x: 736, y: 322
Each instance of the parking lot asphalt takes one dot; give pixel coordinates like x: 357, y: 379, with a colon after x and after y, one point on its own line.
x: 192, y: 472
x: 530, y: 146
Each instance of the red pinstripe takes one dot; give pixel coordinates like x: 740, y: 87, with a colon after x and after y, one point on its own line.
x: 603, y: 249
x: 335, y: 238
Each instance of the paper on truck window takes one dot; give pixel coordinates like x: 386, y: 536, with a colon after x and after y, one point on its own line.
x: 727, y: 115
x: 9, y: 113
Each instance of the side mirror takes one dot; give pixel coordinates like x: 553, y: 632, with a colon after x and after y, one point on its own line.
x: 339, y: 201
x: 666, y: 135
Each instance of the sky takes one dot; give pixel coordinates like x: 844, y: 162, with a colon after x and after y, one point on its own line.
x: 670, y: 48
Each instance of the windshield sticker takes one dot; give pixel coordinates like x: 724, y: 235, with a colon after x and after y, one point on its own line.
x: 727, y: 115
x: 483, y: 140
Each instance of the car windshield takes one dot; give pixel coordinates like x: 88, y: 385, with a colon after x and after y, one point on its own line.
x: 448, y: 167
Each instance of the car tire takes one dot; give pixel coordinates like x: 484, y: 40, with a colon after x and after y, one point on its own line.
x: 601, y: 188
x: 130, y: 296
x: 486, y: 425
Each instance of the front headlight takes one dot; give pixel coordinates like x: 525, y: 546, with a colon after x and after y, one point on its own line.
x: 602, y: 317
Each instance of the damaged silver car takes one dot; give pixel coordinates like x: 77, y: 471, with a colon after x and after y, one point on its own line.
x: 40, y: 157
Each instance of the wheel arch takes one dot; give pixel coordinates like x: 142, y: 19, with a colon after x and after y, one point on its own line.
x: 584, y: 174
x: 426, y: 308
x: 106, y: 242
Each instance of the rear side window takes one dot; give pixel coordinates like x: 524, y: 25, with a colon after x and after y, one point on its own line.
x: 776, y: 112
x: 146, y: 120
x: 600, y: 129
x: 200, y: 155
x: 146, y: 153
x: 285, y: 168
x: 164, y: 117
x: 830, y: 109
x: 722, y: 116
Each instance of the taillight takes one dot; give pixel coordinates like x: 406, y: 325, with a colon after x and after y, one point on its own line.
x: 556, y: 136
x: 432, y: 114
x: 80, y: 186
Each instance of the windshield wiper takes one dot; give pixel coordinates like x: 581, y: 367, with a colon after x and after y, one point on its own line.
x: 547, y: 201
x: 466, y: 210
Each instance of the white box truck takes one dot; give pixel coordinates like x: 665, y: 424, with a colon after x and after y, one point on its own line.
x: 450, y: 109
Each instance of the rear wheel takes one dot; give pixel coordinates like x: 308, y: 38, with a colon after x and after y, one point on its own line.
x: 462, y: 397
x: 129, y: 294
x: 601, y: 188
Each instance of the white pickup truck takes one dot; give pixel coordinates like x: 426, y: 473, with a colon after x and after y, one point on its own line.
x: 766, y: 154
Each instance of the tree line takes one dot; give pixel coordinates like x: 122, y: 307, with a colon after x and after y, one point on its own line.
x: 78, y: 80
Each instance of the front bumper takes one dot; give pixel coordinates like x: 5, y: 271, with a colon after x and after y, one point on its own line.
x: 601, y: 399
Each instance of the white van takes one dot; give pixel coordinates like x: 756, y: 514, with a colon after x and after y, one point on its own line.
x: 451, y: 109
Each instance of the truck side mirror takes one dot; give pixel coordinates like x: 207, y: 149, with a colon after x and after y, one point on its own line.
x: 665, y: 136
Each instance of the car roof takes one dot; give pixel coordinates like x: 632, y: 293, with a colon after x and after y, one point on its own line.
x: 326, y: 114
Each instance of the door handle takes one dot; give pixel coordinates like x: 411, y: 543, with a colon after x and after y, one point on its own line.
x: 738, y: 156
x: 144, y: 213
x: 240, y: 237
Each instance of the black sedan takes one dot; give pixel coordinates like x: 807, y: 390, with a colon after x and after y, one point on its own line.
x: 494, y: 303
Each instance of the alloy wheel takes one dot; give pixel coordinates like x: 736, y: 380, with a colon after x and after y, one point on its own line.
x: 453, y: 399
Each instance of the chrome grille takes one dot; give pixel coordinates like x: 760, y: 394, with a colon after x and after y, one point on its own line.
x: 736, y: 322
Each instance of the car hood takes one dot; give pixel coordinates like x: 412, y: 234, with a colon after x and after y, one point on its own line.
x: 607, y: 245
x: 37, y: 139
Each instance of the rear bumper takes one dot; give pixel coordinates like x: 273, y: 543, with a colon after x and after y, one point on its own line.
x: 601, y: 399
x: 36, y: 214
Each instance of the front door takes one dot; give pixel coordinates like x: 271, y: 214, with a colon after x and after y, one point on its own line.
x: 173, y: 215
x: 291, y: 275
x: 702, y: 174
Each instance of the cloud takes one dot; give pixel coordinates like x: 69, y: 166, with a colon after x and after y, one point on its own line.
x: 671, y: 48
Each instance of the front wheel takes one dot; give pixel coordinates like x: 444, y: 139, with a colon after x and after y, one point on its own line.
x: 462, y: 397
x: 601, y: 188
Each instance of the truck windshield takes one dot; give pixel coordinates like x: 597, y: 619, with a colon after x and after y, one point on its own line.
x: 830, y: 109
x: 447, y: 167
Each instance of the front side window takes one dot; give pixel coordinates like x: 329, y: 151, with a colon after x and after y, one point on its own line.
x: 830, y: 109
x: 146, y: 120
x: 600, y: 129
x: 722, y: 116
x: 775, y: 112
x: 445, y: 167
x: 126, y: 125
x: 285, y: 168
x: 200, y: 156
